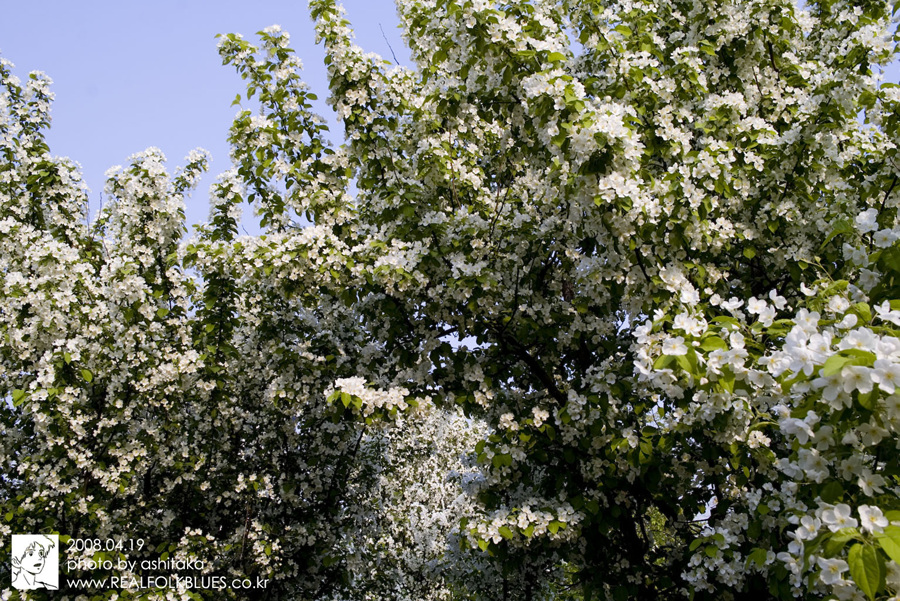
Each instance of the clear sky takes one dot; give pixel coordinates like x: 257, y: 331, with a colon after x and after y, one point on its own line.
x: 132, y: 74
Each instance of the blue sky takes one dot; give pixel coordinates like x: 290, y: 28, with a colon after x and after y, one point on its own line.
x: 129, y: 75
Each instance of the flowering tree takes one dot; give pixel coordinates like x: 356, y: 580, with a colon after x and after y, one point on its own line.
x: 653, y: 247
x: 675, y: 243
x: 405, y: 540
x: 186, y: 409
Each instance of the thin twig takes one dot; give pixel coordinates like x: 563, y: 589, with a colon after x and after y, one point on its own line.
x: 396, y: 62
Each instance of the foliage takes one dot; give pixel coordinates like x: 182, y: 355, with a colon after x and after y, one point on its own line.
x: 650, y: 249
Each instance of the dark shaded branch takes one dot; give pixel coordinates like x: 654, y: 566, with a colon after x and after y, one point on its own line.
x: 521, y: 353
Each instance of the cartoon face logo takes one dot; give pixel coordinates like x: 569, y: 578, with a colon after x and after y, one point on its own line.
x: 35, y: 561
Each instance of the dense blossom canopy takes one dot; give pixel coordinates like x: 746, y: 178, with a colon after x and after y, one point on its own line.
x: 601, y: 300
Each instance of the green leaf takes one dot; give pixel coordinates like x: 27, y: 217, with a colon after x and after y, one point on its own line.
x: 162, y: 312
x: 18, y: 396
x: 87, y: 375
x: 840, y: 227
x: 482, y: 544
x: 727, y: 320
x: 863, y: 311
x: 835, y: 363
x: 707, y: 48
x: 712, y: 343
x: 663, y: 361
x: 555, y: 57
x: 832, y: 492
x: 758, y: 556
x: 890, y: 542
x: 867, y: 569
x: 835, y: 542
x: 726, y: 380
x: 505, y: 532
x: 780, y: 327
x: 868, y: 400
x: 501, y: 460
